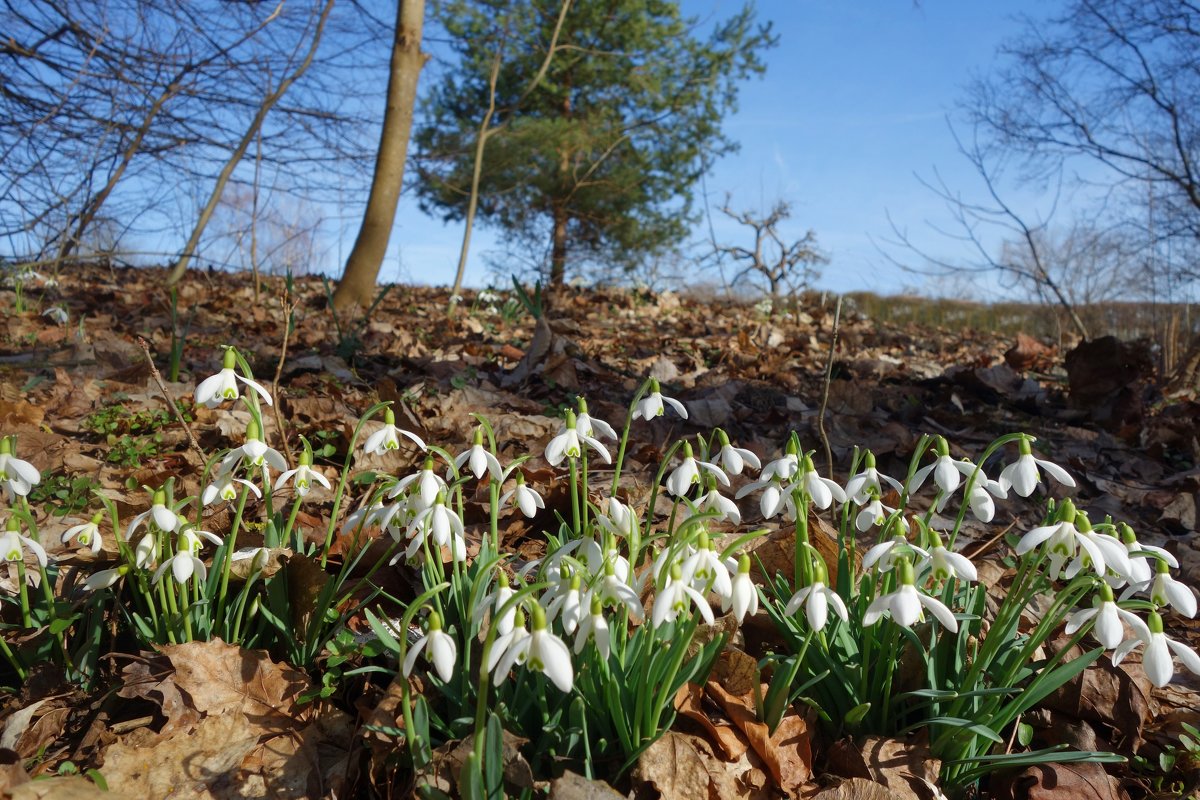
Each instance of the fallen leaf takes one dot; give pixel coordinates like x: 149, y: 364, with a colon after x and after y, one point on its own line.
x: 1079, y: 781
x: 689, y: 703
x: 221, y: 678
x: 858, y: 789
x: 903, y: 766
x: 787, y: 753
x: 68, y: 787
x: 682, y: 767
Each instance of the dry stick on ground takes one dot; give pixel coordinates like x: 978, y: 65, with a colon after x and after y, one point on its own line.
x: 837, y: 318
x: 288, y: 307
x: 171, y: 400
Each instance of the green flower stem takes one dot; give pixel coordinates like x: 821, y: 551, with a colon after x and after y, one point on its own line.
x: 230, y: 544
x: 168, y: 605
x: 23, y: 590
x: 12, y: 659
x: 575, y: 529
x: 620, y: 459
x: 186, y: 612
x: 291, y: 526
x: 344, y: 477
x: 494, y: 515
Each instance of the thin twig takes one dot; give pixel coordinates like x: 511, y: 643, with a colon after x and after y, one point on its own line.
x: 171, y: 400
x: 837, y: 318
x: 288, y: 307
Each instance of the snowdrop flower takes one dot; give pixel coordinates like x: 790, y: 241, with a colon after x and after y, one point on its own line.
x: 1023, y: 476
x: 524, y: 498
x: 1166, y: 591
x: 866, y: 484
x: 303, y: 475
x: 619, y: 519
x: 18, y: 477
x: 872, y: 514
x: 947, y: 473
x: 687, y: 474
x: 1156, y: 660
x: 567, y: 606
x: 587, y: 425
x: 223, y: 386
x: 506, y: 641
x: 254, y: 453
x: 494, y: 601
x: 945, y: 564
x: 58, y: 314
x: 438, y: 646
x: 734, y: 459
x: 980, y: 497
x: 772, y: 500
x: 428, y: 485
x: 1140, y: 570
x: 87, y: 534
x: 594, y: 628
x: 613, y: 591
x: 816, y: 599
x: 887, y: 553
x: 715, y: 501
x: 479, y: 460
x: 1073, y: 531
x: 905, y: 603
x: 145, y: 553
x: 105, y: 578
x: 651, y: 405
x: 704, y: 570
x: 388, y: 437
x: 443, y: 525
x: 569, y: 443
x: 785, y: 467
x: 743, y: 598
x: 159, y: 514
x: 675, y: 597
x: 185, y: 562
x: 822, y: 491
x: 1107, y: 615
x: 13, y: 544
x: 258, y: 557
x: 541, y: 651
x: 223, y: 488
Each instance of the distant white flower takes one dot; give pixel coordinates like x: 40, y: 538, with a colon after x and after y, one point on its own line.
x: 58, y: 314
x: 303, y: 476
x: 1023, y: 476
x: 224, y: 488
x: 438, y: 646
x: 186, y: 562
x: 594, y: 628
x: 388, y: 437
x: 734, y: 459
x: 612, y: 590
x: 772, y: 500
x: 159, y: 514
x: 905, y: 604
x: 784, y: 468
x: 872, y: 514
x: 947, y: 472
x: 1166, y: 591
x: 1140, y: 568
x: 743, y: 599
x: 13, y: 544
x: 1107, y: 615
x: 1157, y: 661
x: 569, y: 443
x: 713, y: 500
x: 619, y: 519
x: 428, y: 482
x: 479, y: 460
x: 494, y: 601
x: 567, y: 607
x: 443, y: 525
x: 87, y: 534
x: 224, y: 385
x: 944, y: 564
x: 704, y: 570
x: 651, y: 405
x: 866, y: 484
x: 888, y: 552
x: 687, y: 474
x: 822, y: 491
x: 524, y: 498
x: 674, y: 598
x: 541, y: 651
x: 18, y: 477
x: 254, y: 453
x: 587, y: 425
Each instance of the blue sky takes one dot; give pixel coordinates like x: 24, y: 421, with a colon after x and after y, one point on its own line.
x: 852, y: 108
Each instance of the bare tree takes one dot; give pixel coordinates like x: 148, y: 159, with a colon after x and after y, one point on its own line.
x: 357, y: 285
x: 782, y: 264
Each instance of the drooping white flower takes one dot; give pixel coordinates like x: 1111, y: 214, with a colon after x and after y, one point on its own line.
x: 223, y: 386
x: 816, y: 599
x: 822, y: 491
x: 253, y: 453
x: 224, y: 488
x: 494, y: 601
x: 17, y: 476
x: 594, y: 628
x: 619, y: 519
x: 743, y: 598
x: 1164, y: 590
x: 186, y: 562
x: 569, y: 443
x: 145, y: 553
x: 159, y: 514
x: 773, y: 498
x: 1068, y: 534
x: 713, y: 500
x: 439, y: 649
x: 479, y: 460
x: 785, y: 467
x: 507, y: 641
x: 303, y: 476
x: 440, y: 523
x: 1141, y: 570
x: 945, y: 564
x: 540, y: 651
x: 651, y: 405
x: 980, y: 497
x: 947, y: 472
x: 866, y: 485
x: 704, y: 570
x: 587, y: 425
x: 687, y: 474
x: 428, y: 485
x: 524, y: 498
x: 906, y: 603
x: 1157, y: 659
x: 888, y: 552
x: 674, y: 598
x: 734, y: 459
x: 388, y: 437
x: 105, y: 578
x: 1022, y: 475
x: 87, y: 534
x: 1107, y: 615
x: 612, y: 590
x: 567, y: 606
x: 872, y: 514
x: 13, y: 544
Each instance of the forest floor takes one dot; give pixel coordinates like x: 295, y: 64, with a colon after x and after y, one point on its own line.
x: 87, y: 411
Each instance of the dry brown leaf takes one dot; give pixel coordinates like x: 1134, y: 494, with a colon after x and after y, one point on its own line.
x: 901, y: 765
x: 681, y: 767
x: 70, y: 787
x: 1081, y: 781
x: 572, y: 786
x: 736, y: 671
x: 787, y: 753
x: 689, y: 702
x: 155, y: 676
x: 221, y: 678
x: 857, y: 789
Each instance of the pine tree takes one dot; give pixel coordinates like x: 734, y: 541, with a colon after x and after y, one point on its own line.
x: 600, y: 160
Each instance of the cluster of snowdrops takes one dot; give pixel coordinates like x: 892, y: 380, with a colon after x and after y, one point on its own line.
x: 498, y: 634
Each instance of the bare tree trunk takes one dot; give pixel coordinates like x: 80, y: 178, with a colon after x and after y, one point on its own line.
x: 255, y: 125
x: 362, y: 267
x: 558, y: 247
